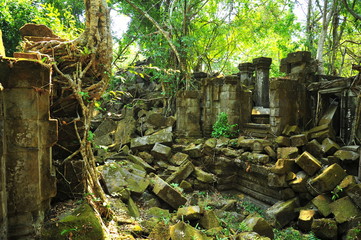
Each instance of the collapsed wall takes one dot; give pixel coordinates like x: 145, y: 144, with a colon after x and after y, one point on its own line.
x: 27, y: 134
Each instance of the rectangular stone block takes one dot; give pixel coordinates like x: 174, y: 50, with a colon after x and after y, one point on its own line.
x: 308, y: 163
x: 344, y: 209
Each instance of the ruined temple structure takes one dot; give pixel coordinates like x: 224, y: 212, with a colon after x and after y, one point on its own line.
x: 263, y: 107
x: 27, y: 177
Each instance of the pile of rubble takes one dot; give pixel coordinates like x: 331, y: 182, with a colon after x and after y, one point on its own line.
x: 303, y: 179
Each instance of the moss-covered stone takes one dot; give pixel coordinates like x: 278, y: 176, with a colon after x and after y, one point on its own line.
x: 81, y: 224
x: 344, y: 209
x: 183, y: 231
x: 325, y: 228
x: 189, y: 213
x: 322, y: 202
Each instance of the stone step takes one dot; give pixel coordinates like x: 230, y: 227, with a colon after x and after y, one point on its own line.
x: 258, y: 130
x: 260, y: 118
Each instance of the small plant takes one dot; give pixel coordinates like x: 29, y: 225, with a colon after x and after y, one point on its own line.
x: 243, y: 227
x: 177, y: 187
x: 85, y: 96
x: 222, y: 128
x: 251, y: 208
x: 68, y: 231
x: 335, y: 193
x: 90, y: 136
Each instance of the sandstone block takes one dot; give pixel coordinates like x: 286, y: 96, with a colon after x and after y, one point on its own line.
x: 298, y: 140
x: 204, y: 176
x: 308, y: 163
x: 179, y: 158
x: 344, y: 209
x: 164, y: 136
x: 167, y: 193
x: 260, y: 158
x: 354, y: 192
x: 322, y: 202
x: 283, y: 141
x: 325, y: 228
x: 194, y: 151
x: 327, y: 180
x: 287, y: 152
x: 189, y: 213
x: 160, y: 151
x: 259, y: 225
x: 329, y: 147
x: 284, y: 166
x: 291, y: 130
x: 182, y: 173
x: 183, y: 231
x: 209, y: 220
x: 139, y: 161
x: 346, y: 155
x: 300, y: 183
x: 283, y: 212
x: 305, y: 219
x: 276, y: 180
x: 209, y: 146
x: 315, y: 148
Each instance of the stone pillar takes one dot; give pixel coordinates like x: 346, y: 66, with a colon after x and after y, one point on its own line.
x: 261, y: 90
x: 3, y: 194
x: 229, y: 99
x: 28, y: 134
x: 188, y: 114
x: 246, y: 73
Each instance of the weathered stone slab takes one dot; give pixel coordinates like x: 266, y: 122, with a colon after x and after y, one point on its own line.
x: 179, y: 158
x: 182, y: 173
x: 308, y: 163
x: 125, y: 175
x: 283, y: 141
x: 346, y: 155
x: 139, y: 161
x: 167, y: 193
x: 156, y: 119
x: 300, y: 183
x: 164, y: 136
x: 194, y: 151
x: 354, y: 192
x: 259, y: 225
x: 305, y: 219
x: 260, y: 158
x: 344, y: 209
x: 315, y: 148
x: 183, y: 231
x: 329, y: 147
x: 287, y: 152
x: 325, y: 228
x: 204, y: 176
x: 249, y: 143
x: 209, y: 220
x: 283, y: 212
x: 284, y: 166
x: 160, y: 151
x: 271, y: 152
x: 291, y: 130
x: 322, y: 202
x: 189, y: 213
x: 327, y: 180
x: 298, y: 140
x: 209, y: 146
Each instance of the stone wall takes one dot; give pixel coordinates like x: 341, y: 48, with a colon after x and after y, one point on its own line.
x: 27, y: 136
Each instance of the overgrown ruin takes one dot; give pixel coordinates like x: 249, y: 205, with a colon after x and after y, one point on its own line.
x: 298, y: 144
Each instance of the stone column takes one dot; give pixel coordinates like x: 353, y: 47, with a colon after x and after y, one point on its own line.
x: 188, y: 114
x: 28, y: 134
x: 3, y: 195
x: 261, y: 90
x: 246, y: 73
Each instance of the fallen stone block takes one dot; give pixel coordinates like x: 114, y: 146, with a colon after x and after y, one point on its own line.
x: 305, y: 219
x: 182, y: 173
x: 250, y: 236
x: 139, y: 161
x: 204, y: 176
x: 283, y: 166
x: 283, y: 141
x: 189, y: 213
x: 167, y: 193
x: 260, y: 158
x: 160, y: 151
x: 164, y: 136
x: 179, y: 158
x: 186, y: 186
x: 346, y: 155
x: 183, y: 231
x: 209, y: 220
x: 325, y: 228
x: 322, y: 203
x: 156, y: 119
x: 291, y: 130
x: 300, y: 183
x: 209, y: 146
x: 125, y: 175
x: 314, y: 148
x: 283, y: 213
x: 298, y: 140
x: 249, y: 143
x: 327, y: 180
x: 133, y: 208
x: 271, y: 152
x: 194, y: 151
x: 308, y: 163
x: 344, y: 209
x: 329, y: 147
x: 259, y: 225
x: 287, y: 152
x: 354, y: 192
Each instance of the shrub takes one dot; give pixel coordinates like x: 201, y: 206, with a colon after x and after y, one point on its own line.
x: 222, y: 128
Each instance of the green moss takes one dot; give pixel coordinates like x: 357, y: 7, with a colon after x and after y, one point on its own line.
x: 81, y: 224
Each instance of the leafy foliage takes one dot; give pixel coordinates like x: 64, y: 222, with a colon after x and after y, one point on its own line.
x: 222, y: 128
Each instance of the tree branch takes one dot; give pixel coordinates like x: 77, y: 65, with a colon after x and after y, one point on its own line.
x: 353, y: 13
